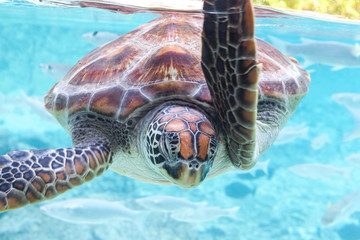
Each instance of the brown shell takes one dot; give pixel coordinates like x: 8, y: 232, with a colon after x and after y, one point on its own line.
x: 158, y: 60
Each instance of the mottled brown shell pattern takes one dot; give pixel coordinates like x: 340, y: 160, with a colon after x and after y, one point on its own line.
x: 158, y: 60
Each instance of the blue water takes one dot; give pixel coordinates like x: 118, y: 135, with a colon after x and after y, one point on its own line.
x: 280, y: 205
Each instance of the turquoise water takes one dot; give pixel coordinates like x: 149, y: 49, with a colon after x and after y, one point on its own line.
x: 277, y: 205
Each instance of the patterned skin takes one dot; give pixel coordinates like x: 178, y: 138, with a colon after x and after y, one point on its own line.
x: 163, y: 104
x: 31, y: 176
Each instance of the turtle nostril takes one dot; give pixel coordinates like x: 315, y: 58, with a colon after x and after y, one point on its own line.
x: 194, y: 164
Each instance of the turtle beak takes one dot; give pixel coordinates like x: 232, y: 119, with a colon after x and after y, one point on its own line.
x: 186, y: 174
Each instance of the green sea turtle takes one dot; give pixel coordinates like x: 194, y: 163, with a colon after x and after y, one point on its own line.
x: 175, y: 101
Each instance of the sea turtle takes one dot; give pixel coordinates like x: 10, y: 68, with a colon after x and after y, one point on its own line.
x: 175, y: 101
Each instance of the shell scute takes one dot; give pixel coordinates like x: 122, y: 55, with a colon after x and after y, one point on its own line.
x: 292, y: 87
x: 60, y: 102
x: 179, y: 29
x: 49, y: 101
x: 132, y: 100
x: 168, y: 63
x: 78, y: 102
x: 273, y: 89
x: 107, y: 101
x: 204, y: 94
x: 281, y: 77
x: 169, y: 88
x: 105, y: 70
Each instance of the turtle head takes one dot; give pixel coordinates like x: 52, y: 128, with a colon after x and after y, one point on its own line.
x: 181, y: 145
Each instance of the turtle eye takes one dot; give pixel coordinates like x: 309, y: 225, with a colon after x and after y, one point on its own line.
x: 153, y: 143
x: 212, y: 148
x: 170, y: 145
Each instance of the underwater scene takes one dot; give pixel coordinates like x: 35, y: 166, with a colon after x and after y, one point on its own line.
x: 305, y: 186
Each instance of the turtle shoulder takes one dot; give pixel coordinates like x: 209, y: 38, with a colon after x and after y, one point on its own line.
x: 281, y: 77
x: 157, y: 60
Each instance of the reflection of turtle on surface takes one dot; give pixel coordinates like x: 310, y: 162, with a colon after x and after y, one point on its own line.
x: 156, y: 106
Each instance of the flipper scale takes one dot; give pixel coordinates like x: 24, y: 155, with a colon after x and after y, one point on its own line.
x: 29, y: 176
x: 231, y: 71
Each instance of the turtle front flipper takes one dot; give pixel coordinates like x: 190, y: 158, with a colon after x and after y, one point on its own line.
x: 29, y: 176
x: 231, y: 71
